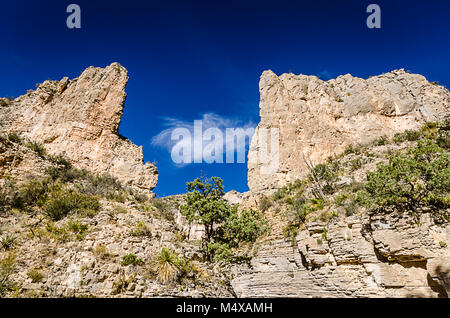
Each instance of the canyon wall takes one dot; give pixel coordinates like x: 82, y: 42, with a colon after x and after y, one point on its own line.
x: 317, y: 119
x: 80, y: 118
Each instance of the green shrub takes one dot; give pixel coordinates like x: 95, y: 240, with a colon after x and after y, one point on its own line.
x: 351, y: 208
x: 352, y: 149
x: 78, y: 228
x: 356, y: 164
x: 35, y: 275
x: 140, y: 198
x: 265, y: 203
x: 131, y: 259
x: 60, y: 160
x: 8, y: 241
x: 104, y: 185
x: 325, y: 175
x: 412, y: 135
x: 38, y: 148
x: 163, y: 208
x: 290, y: 231
x: 381, y: 141
x: 141, y: 229
x: 340, y: 199
x: 280, y: 194
x: 443, y: 138
x: 14, y: 137
x: 299, y: 211
x: 410, y: 181
x: 221, y: 251
x: 66, y: 173
x: 63, y: 202
x: 7, y: 266
x: 32, y: 193
x: 246, y: 226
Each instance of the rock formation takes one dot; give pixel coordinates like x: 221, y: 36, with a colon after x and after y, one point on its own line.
x: 318, y: 119
x: 358, y: 257
x: 80, y: 118
x: 365, y: 254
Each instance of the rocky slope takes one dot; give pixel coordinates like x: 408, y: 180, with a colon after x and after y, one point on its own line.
x: 110, y: 251
x: 317, y: 119
x: 80, y: 118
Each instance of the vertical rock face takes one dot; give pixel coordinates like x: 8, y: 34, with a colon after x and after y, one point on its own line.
x: 80, y: 118
x: 318, y: 119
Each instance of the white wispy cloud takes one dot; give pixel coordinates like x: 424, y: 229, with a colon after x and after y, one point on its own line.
x: 209, y: 121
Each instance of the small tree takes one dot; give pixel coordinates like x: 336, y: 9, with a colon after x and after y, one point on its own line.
x: 224, y: 226
x: 205, y: 205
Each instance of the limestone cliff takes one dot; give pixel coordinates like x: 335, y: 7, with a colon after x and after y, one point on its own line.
x: 80, y: 118
x: 318, y: 119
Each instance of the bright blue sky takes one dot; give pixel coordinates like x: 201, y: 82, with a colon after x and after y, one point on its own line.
x: 189, y: 58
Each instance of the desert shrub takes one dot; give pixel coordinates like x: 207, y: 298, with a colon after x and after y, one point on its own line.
x: 101, y: 251
x: 120, y: 209
x: 221, y: 251
x: 8, y: 241
x: 265, y: 203
x: 38, y: 148
x: 5, y: 200
x: 66, y: 173
x: 356, y: 164
x: 163, y: 209
x: 104, y: 185
x: 60, y: 160
x: 14, y: 137
x: 32, y: 193
x: 140, y: 197
x: 352, y: 149
x: 340, y: 199
x: 325, y: 176
x: 381, y: 141
x: 62, y: 202
x: 430, y: 130
x: 443, y: 138
x: 122, y: 283
x: 141, y: 229
x: 312, y: 205
x: 131, y: 259
x: 245, y: 226
x: 350, y: 208
x: 410, y: 181
x: 35, y: 275
x: 78, y: 228
x: 7, y: 267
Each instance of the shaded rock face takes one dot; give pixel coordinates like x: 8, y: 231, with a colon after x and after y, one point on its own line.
x: 80, y: 118
x: 318, y: 119
x: 358, y: 257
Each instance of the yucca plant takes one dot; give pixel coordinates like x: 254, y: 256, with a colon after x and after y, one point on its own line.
x: 167, y: 265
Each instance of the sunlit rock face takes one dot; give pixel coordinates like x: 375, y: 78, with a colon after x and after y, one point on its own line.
x: 80, y: 118
x: 317, y: 119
